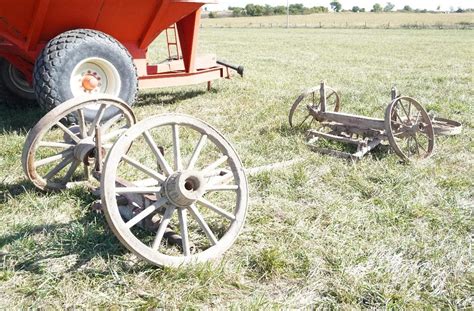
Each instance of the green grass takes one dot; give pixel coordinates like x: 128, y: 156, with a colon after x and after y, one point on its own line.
x: 323, y: 233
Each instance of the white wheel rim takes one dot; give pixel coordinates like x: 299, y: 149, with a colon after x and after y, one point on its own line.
x: 107, y: 76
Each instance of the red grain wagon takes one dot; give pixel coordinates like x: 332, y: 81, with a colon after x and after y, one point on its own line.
x: 56, y: 49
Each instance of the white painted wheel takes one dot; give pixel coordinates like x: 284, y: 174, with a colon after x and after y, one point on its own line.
x: 180, y: 178
x: 56, y: 154
x: 95, y: 76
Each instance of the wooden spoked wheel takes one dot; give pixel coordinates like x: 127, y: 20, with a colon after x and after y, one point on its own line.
x: 409, y: 129
x: 56, y: 153
x: 180, y: 178
x: 300, y: 117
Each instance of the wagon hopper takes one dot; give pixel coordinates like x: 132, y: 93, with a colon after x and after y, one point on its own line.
x: 58, y: 49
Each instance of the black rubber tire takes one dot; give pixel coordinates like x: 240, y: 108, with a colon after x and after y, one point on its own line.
x: 55, y: 65
x: 10, y: 99
x: 6, y: 70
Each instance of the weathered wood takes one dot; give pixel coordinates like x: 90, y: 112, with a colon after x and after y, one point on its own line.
x: 347, y: 119
x: 342, y: 139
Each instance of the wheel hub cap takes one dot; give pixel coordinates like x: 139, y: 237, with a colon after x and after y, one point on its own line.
x: 90, y: 82
x: 184, y: 188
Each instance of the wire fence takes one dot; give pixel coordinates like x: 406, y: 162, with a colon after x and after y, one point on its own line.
x: 346, y: 25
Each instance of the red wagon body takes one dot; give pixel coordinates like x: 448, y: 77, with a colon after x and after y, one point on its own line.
x: 27, y: 25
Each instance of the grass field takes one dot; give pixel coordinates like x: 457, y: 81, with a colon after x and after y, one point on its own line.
x: 323, y: 233
x: 350, y: 20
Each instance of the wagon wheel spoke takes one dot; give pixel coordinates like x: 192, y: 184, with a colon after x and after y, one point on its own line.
x: 113, y: 134
x: 216, y: 164
x: 193, y: 210
x: 176, y: 147
x: 58, y: 167
x: 212, y: 188
x: 417, y: 118
x: 404, y: 110
x: 82, y: 123
x: 87, y: 172
x: 52, y: 144
x: 150, y: 172
x: 197, y: 152
x: 68, y: 132
x: 142, y: 190
x: 162, y: 228
x: 109, y: 123
x: 183, y: 228
x: 145, y: 213
x: 74, y: 165
x: 216, y: 209
x: 97, y: 119
x: 156, y: 151
x: 54, y: 158
x: 304, y: 120
x: 420, y: 145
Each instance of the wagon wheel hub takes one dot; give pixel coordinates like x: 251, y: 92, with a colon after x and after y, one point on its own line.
x: 184, y: 188
x: 90, y: 82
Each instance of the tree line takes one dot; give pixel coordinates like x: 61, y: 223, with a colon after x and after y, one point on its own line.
x: 299, y: 9
x: 267, y: 10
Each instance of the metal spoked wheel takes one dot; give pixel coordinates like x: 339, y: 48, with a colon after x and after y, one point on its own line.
x: 409, y: 129
x: 56, y: 154
x: 178, y: 195
x: 299, y: 115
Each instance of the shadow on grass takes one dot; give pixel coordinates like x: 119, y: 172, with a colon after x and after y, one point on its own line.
x: 167, y: 97
x: 31, y: 247
x: 86, y: 238
x: 13, y: 190
x: 19, y: 118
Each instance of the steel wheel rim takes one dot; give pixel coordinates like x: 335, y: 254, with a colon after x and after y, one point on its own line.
x: 119, y: 225
x: 298, y: 109
x: 52, y: 122
x: 409, y: 129
x: 107, y: 76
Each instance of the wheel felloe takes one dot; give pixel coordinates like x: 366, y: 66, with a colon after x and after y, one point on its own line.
x: 56, y: 154
x: 197, y: 193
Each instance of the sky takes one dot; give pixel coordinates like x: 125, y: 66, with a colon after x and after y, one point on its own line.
x: 348, y: 4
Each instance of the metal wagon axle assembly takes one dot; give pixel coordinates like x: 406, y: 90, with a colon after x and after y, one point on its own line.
x: 407, y: 126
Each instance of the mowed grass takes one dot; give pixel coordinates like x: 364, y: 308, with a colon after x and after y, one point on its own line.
x: 323, y: 233
x: 351, y: 20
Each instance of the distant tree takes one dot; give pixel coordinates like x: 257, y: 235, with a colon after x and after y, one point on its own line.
x: 212, y: 15
x: 335, y: 6
x: 362, y: 10
x: 377, y: 8
x: 407, y: 8
x: 279, y: 10
x: 254, y: 9
x: 236, y: 11
x: 297, y: 9
x: 267, y: 10
x: 460, y: 10
x: 389, y: 7
x: 438, y: 8
x: 355, y: 9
